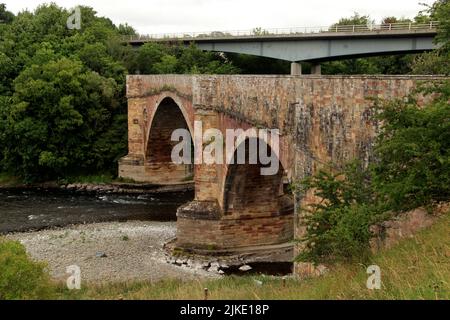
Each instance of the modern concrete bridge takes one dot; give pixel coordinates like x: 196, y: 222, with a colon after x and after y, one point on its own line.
x: 311, y: 44
x: 321, y: 119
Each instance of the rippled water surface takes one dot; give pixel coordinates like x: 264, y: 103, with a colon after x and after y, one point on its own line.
x: 22, y: 210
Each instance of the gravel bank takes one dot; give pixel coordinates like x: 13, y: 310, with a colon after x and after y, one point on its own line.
x: 134, y: 251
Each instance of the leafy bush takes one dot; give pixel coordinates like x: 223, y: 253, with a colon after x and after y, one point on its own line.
x: 337, y: 228
x: 21, y: 278
x: 413, y: 151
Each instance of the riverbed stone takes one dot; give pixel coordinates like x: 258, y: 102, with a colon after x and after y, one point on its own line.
x: 245, y: 268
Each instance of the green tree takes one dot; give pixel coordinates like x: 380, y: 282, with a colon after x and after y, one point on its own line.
x: 438, y: 61
x: 149, y: 54
x: 356, y: 19
x: 58, y: 110
x: 5, y: 15
x: 61, y: 95
x: 167, y: 65
x: 62, y: 92
x: 126, y: 30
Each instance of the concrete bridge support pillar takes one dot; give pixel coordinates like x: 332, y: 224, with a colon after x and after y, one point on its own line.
x: 296, y: 69
x: 316, y: 69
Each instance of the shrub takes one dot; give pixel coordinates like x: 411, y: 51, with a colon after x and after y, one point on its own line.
x: 20, y: 277
x: 337, y: 228
x: 413, y: 151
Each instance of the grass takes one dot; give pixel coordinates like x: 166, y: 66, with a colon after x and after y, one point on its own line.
x: 418, y: 268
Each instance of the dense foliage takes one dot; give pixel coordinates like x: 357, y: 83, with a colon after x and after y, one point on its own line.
x: 62, y: 92
x: 337, y: 227
x: 438, y: 61
x: 413, y: 152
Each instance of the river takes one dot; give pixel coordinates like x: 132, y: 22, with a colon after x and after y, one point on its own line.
x: 35, y: 209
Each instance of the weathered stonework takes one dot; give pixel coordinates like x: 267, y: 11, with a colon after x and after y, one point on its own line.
x: 321, y: 119
x: 388, y: 233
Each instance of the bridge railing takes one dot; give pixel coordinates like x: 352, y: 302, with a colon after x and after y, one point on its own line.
x: 283, y: 32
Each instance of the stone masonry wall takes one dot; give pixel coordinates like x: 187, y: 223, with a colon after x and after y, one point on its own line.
x: 234, y: 233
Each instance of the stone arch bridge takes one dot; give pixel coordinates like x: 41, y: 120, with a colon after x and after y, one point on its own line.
x: 320, y: 119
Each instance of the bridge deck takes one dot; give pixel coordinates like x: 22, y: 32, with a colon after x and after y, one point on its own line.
x: 313, y: 44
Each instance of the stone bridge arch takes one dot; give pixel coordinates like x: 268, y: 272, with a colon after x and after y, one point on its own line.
x: 168, y: 116
x: 233, y: 170
x: 153, y: 114
x: 261, y: 202
x: 166, y: 97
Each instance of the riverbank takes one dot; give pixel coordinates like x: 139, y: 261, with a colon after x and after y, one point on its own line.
x: 109, y: 252
x: 105, y: 188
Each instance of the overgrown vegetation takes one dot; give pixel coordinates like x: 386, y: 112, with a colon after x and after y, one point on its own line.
x: 337, y: 227
x: 438, y: 61
x: 20, y: 277
x: 413, y: 151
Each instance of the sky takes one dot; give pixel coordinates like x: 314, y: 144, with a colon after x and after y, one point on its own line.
x: 166, y: 16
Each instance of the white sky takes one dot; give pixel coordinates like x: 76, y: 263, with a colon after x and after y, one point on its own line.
x: 163, y: 16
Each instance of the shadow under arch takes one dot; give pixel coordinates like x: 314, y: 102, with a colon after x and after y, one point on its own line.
x: 167, y: 118
x: 248, y: 193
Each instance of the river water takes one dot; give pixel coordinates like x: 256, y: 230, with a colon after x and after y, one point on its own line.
x: 24, y: 210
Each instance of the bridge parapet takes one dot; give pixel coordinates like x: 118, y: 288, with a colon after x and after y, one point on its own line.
x: 287, y: 32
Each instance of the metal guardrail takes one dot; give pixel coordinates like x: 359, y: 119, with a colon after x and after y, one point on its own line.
x: 258, y: 32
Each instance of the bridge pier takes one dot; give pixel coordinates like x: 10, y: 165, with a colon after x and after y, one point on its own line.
x: 316, y: 69
x: 296, y: 69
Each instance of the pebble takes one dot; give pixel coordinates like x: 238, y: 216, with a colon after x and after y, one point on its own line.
x: 100, y: 254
